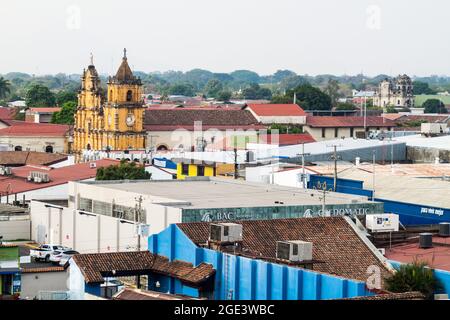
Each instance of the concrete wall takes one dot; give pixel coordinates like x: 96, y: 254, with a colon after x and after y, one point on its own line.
x: 427, y: 155
x: 184, y: 139
x: 316, y: 133
x: 158, y: 216
x: 15, y: 229
x: 239, y: 278
x: 32, y: 283
x: 35, y: 143
x: 281, y: 119
x: 84, y: 233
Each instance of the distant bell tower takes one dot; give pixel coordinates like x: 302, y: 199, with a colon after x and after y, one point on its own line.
x: 124, y: 110
x: 88, y: 117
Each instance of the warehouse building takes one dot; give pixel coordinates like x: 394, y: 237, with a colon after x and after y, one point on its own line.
x: 161, y: 203
x: 418, y: 200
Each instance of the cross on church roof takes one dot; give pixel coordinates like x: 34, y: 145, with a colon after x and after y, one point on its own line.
x: 124, y: 53
x: 92, y: 59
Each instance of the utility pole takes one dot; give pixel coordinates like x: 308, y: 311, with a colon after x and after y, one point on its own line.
x: 335, y: 158
x: 365, y: 116
x: 236, y: 174
x: 137, y: 219
x: 323, y: 189
x: 373, y: 178
x: 303, y: 154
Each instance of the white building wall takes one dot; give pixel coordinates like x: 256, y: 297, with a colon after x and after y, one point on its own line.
x: 35, y: 143
x: 84, y: 233
x: 282, y: 119
x: 32, y: 283
x: 15, y: 229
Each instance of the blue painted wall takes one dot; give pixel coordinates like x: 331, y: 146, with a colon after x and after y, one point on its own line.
x: 342, y: 185
x: 409, y: 213
x: 240, y: 278
x: 442, y: 275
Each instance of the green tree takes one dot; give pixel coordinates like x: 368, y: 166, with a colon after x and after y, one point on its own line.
x: 5, y: 87
x: 414, y: 277
x: 342, y: 106
x: 124, y: 171
x: 254, y: 91
x: 434, y: 106
x: 184, y: 89
x: 422, y: 88
x: 39, y: 96
x: 64, y: 96
x: 213, y: 88
x: 308, y: 97
x: 66, y: 115
x: 332, y: 89
x: 391, y: 109
x: 224, y: 96
x: 245, y: 76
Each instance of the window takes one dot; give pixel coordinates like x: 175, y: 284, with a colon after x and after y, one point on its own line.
x: 352, y: 132
x: 185, y: 169
x: 18, y: 148
x: 295, y: 250
x: 323, y: 132
x: 129, y: 95
x: 225, y: 231
x: 200, y: 171
x: 336, y: 132
x: 49, y: 149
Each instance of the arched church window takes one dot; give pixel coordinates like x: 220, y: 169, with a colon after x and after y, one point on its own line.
x: 129, y: 95
x: 18, y: 148
x: 110, y: 95
x: 49, y: 149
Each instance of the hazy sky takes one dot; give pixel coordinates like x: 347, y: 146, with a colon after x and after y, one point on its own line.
x: 308, y: 37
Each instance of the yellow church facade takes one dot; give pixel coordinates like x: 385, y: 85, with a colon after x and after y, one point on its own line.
x: 111, y: 120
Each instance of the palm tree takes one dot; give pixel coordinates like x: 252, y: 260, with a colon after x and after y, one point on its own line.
x: 414, y: 277
x: 4, y: 87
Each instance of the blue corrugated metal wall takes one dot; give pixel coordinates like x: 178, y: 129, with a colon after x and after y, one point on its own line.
x: 240, y: 278
x: 409, y: 213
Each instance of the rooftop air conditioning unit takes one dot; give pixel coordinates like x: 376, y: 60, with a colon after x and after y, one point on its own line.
x: 92, y: 165
x: 444, y: 229
x: 225, y: 232
x: 294, y: 251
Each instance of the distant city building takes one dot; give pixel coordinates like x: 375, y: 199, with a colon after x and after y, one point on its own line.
x: 397, y: 92
x: 40, y: 115
x: 111, y: 120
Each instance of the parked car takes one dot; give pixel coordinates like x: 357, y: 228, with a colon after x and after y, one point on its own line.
x: 66, y: 256
x: 43, y: 252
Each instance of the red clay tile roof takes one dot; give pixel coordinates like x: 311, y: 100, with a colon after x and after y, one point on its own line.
x: 136, y: 294
x: 427, y: 118
x: 335, y: 243
x: 412, y: 295
x: 45, y: 110
x: 342, y: 121
x: 34, y: 269
x: 170, y: 119
x: 288, y: 139
x: 28, y: 129
x: 95, y: 266
x: 17, y: 182
x: 280, y: 110
x: 7, y: 113
x: 20, y: 158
